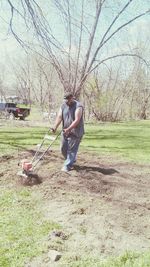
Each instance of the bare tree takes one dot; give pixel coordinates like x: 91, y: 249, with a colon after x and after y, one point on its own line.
x: 105, y: 94
x: 43, y: 84
x: 2, y: 85
x: 140, y: 88
x: 36, y: 82
x: 2, y: 91
x: 23, y: 80
x: 86, y: 41
x: 119, y: 94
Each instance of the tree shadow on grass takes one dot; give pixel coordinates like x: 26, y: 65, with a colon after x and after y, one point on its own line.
x: 95, y: 169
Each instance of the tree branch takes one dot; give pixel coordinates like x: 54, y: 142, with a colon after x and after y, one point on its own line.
x: 120, y: 55
x: 116, y: 31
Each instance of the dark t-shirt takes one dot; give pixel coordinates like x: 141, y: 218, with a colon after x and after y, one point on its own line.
x: 68, y: 116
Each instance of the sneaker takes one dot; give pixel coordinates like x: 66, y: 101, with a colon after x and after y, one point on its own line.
x: 65, y: 169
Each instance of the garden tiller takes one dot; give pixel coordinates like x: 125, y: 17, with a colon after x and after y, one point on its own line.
x: 28, y: 167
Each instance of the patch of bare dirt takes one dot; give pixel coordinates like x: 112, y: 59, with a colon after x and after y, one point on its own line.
x: 102, y: 204
x: 5, y: 158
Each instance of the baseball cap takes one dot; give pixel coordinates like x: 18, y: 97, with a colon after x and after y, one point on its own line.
x: 68, y: 95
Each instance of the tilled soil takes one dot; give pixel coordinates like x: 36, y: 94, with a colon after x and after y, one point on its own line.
x: 103, y: 204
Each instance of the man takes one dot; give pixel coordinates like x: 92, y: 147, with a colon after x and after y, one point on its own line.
x: 71, y: 116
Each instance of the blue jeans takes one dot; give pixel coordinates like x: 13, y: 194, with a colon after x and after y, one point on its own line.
x: 69, y: 149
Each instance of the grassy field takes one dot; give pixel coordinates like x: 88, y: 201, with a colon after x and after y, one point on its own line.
x: 21, y: 235
x: 128, y: 140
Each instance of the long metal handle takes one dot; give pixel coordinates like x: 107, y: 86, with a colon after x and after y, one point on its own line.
x: 33, y: 168
x: 40, y: 145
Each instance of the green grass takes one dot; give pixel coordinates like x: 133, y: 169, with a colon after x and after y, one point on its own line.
x: 128, y: 259
x: 16, y: 138
x: 22, y: 227
x: 127, y: 140
x: 23, y: 106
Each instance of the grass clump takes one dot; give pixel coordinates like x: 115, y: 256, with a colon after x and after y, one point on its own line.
x: 22, y: 228
x: 128, y: 259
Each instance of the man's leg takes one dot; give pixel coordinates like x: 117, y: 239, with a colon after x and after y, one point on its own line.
x: 73, y: 145
x: 64, y: 145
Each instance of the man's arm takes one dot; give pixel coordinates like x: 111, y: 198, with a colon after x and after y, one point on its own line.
x: 78, y: 115
x: 57, y: 121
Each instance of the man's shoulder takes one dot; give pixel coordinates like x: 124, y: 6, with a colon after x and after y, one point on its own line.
x: 78, y: 104
x: 63, y: 105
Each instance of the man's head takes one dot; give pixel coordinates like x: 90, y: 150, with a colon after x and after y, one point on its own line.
x: 68, y: 98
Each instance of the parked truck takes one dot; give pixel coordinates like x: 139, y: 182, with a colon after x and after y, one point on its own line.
x: 12, y: 111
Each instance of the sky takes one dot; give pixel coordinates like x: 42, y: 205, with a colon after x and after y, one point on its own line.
x: 138, y: 32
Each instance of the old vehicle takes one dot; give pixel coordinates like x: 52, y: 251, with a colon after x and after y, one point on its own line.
x: 12, y: 111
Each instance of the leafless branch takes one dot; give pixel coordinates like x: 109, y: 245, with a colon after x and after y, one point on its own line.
x: 120, y: 55
x: 97, y: 15
x: 79, y: 47
x: 102, y: 43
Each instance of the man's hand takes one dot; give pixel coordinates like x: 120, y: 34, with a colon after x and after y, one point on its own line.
x: 66, y: 131
x: 53, y: 130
